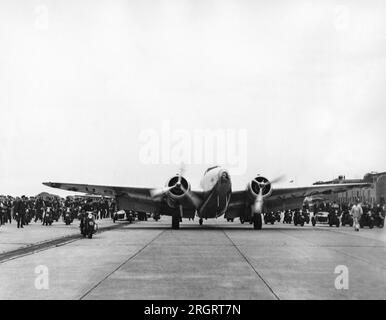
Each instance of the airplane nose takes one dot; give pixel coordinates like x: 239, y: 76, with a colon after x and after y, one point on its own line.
x: 224, y: 177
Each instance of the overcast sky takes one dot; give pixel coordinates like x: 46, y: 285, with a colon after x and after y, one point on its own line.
x: 81, y: 81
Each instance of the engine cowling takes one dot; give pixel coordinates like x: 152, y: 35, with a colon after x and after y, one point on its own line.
x: 258, y: 183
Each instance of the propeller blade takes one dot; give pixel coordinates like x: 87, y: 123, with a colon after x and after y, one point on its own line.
x: 159, y: 192
x: 181, y: 173
x: 278, y: 179
x: 196, y: 201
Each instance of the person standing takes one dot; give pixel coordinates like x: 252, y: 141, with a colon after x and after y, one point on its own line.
x: 356, y: 212
x: 19, y: 210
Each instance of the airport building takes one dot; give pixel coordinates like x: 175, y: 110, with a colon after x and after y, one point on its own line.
x: 372, y: 195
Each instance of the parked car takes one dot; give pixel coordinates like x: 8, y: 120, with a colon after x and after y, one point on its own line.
x: 320, y: 217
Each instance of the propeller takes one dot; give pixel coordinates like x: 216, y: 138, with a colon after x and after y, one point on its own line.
x: 196, y: 201
x: 258, y: 205
x: 156, y: 193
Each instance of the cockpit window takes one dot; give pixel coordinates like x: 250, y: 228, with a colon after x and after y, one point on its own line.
x: 211, y: 168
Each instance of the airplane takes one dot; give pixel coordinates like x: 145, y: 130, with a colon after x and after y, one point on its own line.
x: 214, y: 200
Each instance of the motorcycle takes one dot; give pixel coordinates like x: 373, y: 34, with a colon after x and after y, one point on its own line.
x: 287, y: 217
x: 299, y: 218
x: 347, y: 219
x: 366, y: 220
x: 269, y: 218
x: 306, y: 216
x: 48, y: 218
x: 88, y: 226
x: 379, y: 220
x: 67, y: 217
x: 333, y: 218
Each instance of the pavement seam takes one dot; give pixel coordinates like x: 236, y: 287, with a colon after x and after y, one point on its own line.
x: 250, y: 264
x: 122, y: 264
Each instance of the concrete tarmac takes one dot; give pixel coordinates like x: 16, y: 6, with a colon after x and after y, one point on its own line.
x: 219, y: 260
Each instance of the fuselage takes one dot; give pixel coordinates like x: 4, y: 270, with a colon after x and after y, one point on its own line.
x: 217, y: 186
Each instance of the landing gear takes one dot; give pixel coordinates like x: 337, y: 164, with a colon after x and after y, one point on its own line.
x: 257, y: 221
x: 175, y: 222
x: 200, y: 221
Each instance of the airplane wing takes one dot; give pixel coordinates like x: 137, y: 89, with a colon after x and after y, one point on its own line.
x: 288, y: 198
x: 135, y: 198
x: 107, y: 191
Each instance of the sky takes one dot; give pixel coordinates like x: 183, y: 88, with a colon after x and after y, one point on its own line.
x: 122, y: 92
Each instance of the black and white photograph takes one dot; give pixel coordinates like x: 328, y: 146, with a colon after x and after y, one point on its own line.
x: 205, y: 151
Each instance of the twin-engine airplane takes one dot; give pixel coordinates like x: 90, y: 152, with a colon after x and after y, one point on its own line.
x: 215, y: 199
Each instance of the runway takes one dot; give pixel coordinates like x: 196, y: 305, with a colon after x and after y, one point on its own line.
x: 219, y: 260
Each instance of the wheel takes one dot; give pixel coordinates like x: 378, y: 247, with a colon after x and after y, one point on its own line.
x: 175, y: 222
x: 302, y: 224
x: 257, y: 222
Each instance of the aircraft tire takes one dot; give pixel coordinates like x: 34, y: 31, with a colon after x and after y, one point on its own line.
x: 175, y: 222
x: 257, y: 222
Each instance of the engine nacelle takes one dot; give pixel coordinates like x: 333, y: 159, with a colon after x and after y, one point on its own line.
x: 256, y: 184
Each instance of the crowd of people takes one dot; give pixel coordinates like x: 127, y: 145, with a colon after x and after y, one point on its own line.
x: 361, y: 214
x: 24, y: 210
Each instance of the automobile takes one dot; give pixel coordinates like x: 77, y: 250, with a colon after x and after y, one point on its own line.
x: 269, y: 217
x: 119, y: 215
x: 320, y: 217
x: 366, y: 220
